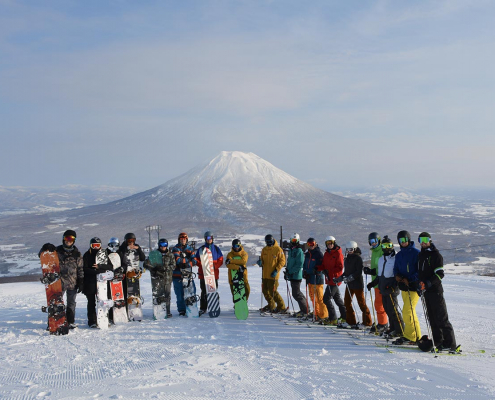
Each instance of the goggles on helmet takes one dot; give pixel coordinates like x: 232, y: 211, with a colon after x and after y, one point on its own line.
x: 70, y: 238
x: 162, y: 244
x: 387, y: 246
x: 424, y: 239
x: 209, y: 238
x: 312, y: 243
x: 373, y: 241
x: 403, y: 240
x: 96, y: 245
x: 328, y: 242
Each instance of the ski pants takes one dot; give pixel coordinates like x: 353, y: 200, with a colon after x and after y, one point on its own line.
x: 381, y: 314
x: 272, y: 296
x: 333, y: 292
x: 70, y: 312
x: 203, y: 300
x: 412, y: 330
x: 390, y: 304
x: 247, y: 288
x: 316, y: 295
x: 179, y: 293
x: 299, y: 296
x: 91, y: 309
x: 349, y: 310
x: 442, y: 330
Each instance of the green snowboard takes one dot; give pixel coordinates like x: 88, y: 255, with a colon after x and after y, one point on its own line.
x: 240, y: 302
x: 158, y: 287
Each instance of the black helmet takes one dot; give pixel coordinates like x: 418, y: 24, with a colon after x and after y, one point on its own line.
x: 236, y: 243
x: 208, y: 234
x: 95, y: 240
x: 403, y: 234
x: 162, y: 243
x: 70, y: 232
x: 387, y: 245
x: 376, y: 236
x: 129, y: 236
x: 269, y: 240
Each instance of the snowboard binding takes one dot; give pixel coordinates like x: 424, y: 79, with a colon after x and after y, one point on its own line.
x: 48, y: 279
x: 191, y: 300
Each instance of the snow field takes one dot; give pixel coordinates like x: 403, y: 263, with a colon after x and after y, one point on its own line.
x: 260, y: 358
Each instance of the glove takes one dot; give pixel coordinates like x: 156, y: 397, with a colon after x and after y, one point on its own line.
x: 227, y: 262
x: 367, y: 271
x: 274, y: 274
x: 305, y: 275
x: 345, y: 279
x: 339, y: 279
x: 241, y: 269
x: 370, y: 285
x: 80, y: 285
x: 285, y: 275
x: 48, y: 247
x: 349, y: 278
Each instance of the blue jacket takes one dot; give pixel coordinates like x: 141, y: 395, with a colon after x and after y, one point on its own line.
x: 312, y: 259
x: 406, y: 264
x: 295, y: 261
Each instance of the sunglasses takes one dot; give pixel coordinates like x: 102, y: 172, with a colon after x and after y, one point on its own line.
x: 373, y: 242
x: 70, y: 238
x: 387, y: 245
x: 403, y: 240
x: 424, y: 239
x: 95, y: 245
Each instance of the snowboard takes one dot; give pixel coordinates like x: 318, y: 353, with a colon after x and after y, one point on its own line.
x: 117, y: 291
x: 190, y: 297
x: 134, y: 299
x: 103, y: 303
x: 212, y: 296
x: 57, y: 323
x: 158, y: 288
x: 239, y: 293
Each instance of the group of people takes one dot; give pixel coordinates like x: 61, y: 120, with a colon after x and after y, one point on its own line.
x: 411, y: 272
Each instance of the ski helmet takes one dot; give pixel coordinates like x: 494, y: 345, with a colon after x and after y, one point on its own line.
x: 95, y: 243
x: 162, y: 243
x: 424, y: 235
x: 387, y: 245
x: 295, y: 238
x: 311, y: 241
x: 183, y: 235
x: 113, y: 244
x: 405, y: 236
x: 374, y: 239
x: 130, y: 236
x: 269, y: 240
x: 208, y: 234
x: 236, y: 243
x: 70, y: 232
x: 329, y: 239
x: 351, y: 246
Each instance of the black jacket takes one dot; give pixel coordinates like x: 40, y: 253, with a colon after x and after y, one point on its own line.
x: 353, y: 270
x: 430, y: 268
x: 90, y: 272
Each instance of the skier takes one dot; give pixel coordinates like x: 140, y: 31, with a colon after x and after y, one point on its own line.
x: 184, y: 258
x: 387, y: 285
x: 333, y: 266
x: 374, y: 241
x: 314, y: 278
x: 293, y: 274
x: 273, y: 260
x: 163, y: 272
x: 217, y: 263
x: 431, y: 273
x: 237, y: 260
x: 406, y: 273
x: 353, y: 278
x: 71, y: 271
x: 91, y: 269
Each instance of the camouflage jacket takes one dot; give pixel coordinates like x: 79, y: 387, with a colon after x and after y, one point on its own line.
x: 71, y: 267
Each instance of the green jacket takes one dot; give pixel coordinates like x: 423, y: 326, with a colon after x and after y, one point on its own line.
x: 376, y: 253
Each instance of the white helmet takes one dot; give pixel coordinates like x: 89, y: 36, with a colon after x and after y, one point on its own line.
x: 295, y: 237
x: 329, y: 238
x: 113, y: 244
x: 351, y: 245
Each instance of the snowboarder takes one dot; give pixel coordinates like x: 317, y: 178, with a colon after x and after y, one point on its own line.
x: 294, y: 274
x: 387, y: 285
x: 353, y: 278
x: 237, y: 260
x: 314, y: 278
x: 184, y: 258
x: 217, y: 263
x: 374, y: 240
x: 431, y: 273
x: 333, y: 267
x: 406, y: 274
x: 91, y: 269
x: 71, y: 271
x: 272, y: 260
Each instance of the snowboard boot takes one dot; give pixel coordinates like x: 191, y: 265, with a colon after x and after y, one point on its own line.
x: 265, y: 309
x: 201, y: 312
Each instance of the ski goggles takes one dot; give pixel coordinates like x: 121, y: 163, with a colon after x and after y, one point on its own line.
x: 96, y: 245
x: 311, y: 244
x: 424, y: 239
x: 373, y: 242
x: 70, y: 238
x: 182, y: 237
x: 403, y: 240
x: 131, y: 240
x: 329, y: 242
x: 163, y: 244
x: 294, y: 241
x: 387, y: 246
x: 209, y: 238
x: 113, y: 245
x: 236, y: 246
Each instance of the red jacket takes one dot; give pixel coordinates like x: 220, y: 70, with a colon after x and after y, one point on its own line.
x: 333, y: 264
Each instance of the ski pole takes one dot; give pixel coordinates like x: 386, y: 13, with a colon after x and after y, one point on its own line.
x: 397, y: 314
x: 374, y: 317
x: 412, y: 312
x: 261, y: 299
x: 427, y: 318
x: 307, y: 302
x: 289, y: 296
x: 352, y: 301
x: 314, y: 301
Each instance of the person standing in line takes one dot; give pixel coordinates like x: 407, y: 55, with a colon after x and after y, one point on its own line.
x: 315, y: 279
x: 184, y: 258
x: 272, y: 260
x: 237, y: 260
x: 293, y: 273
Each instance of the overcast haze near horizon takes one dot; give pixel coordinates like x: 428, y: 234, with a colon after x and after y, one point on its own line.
x: 335, y: 93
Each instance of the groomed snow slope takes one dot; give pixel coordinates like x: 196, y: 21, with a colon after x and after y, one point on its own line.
x: 223, y: 358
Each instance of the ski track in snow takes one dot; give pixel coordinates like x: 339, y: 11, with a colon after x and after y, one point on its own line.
x: 260, y: 358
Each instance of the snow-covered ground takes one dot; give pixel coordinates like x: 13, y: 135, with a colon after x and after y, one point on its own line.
x: 223, y: 358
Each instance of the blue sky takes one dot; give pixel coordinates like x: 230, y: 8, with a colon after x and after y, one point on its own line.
x: 335, y: 93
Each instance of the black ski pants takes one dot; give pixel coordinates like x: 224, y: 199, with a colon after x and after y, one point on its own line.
x: 299, y: 296
x: 441, y: 328
x: 333, y: 292
x: 91, y: 308
x: 390, y: 304
x: 203, y: 300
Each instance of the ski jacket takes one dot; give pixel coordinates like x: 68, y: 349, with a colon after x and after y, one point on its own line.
x: 295, y: 261
x: 237, y: 259
x: 163, y: 271
x: 386, y: 277
x: 217, y: 259
x: 353, y: 270
x: 184, y: 258
x: 332, y: 265
x: 312, y: 260
x: 89, y: 259
x: 71, y: 267
x: 430, y: 269
x: 406, y: 266
x: 376, y: 253
x: 272, y: 258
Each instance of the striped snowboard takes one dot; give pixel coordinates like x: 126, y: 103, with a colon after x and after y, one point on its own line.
x: 211, y: 288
